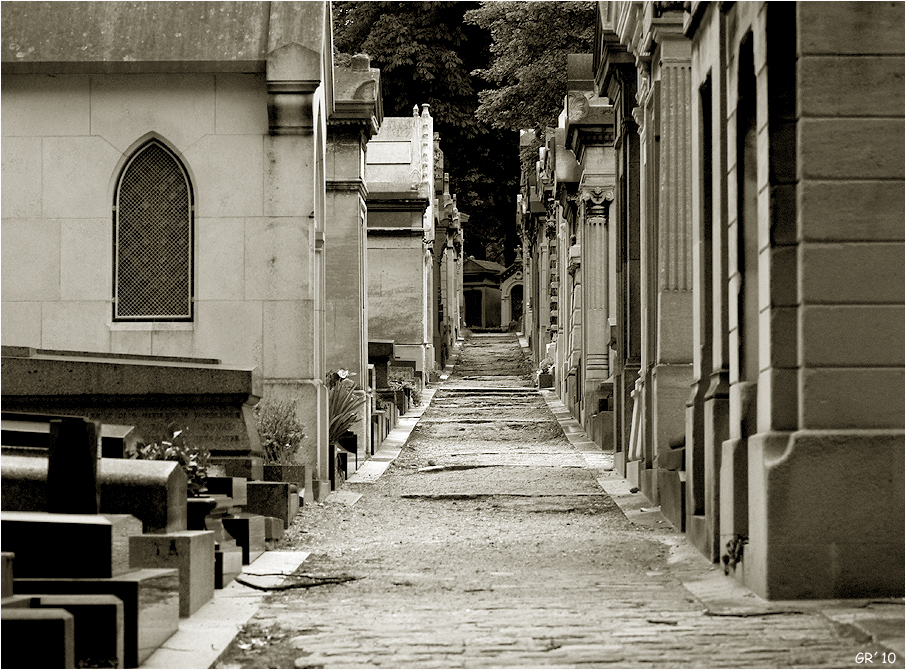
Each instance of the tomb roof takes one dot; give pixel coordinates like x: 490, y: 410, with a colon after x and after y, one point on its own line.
x: 154, y: 36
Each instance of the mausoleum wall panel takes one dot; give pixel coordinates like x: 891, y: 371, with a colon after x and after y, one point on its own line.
x: 226, y: 170
x: 220, y: 258
x: 21, y: 194
x: 21, y: 323
x: 179, y: 107
x: 38, y: 104
x: 849, y: 397
x: 831, y: 213
x: 171, y: 342
x: 873, y: 86
x: 77, y: 173
x: 287, y: 336
x: 85, y: 259
x: 288, y: 178
x: 777, y: 399
x: 871, y: 28
x: 137, y: 342
x: 31, y: 259
x: 240, y: 104
x: 76, y: 325
x: 223, y: 329
x: 278, y: 258
x: 870, y: 273
x: 852, y: 335
x: 847, y: 148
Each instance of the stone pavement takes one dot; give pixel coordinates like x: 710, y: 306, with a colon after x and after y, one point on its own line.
x: 498, y: 536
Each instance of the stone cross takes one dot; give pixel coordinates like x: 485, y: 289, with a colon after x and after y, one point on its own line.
x: 72, y: 467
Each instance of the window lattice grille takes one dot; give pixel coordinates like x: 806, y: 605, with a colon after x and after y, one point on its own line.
x: 154, y: 238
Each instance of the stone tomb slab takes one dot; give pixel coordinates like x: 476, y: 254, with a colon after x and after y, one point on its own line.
x: 231, y: 487
x: 6, y: 565
x: 53, y: 627
x: 123, y: 527
x: 273, y: 531
x: 152, y: 491
x: 58, y: 545
x: 248, y: 530
x: 20, y: 602
x: 97, y: 625
x: 150, y: 605
x: 213, y: 402
x: 227, y: 564
x: 29, y: 434
x: 276, y: 499
x: 189, y: 551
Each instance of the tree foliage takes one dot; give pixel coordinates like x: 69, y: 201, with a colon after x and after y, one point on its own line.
x: 527, y: 72
x: 427, y: 53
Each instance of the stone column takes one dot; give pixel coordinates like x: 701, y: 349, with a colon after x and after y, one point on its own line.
x: 671, y: 375
x: 356, y: 118
x: 596, y: 202
x: 299, y: 87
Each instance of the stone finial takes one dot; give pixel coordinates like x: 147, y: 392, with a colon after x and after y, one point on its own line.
x: 360, y: 62
x: 414, y: 110
x: 425, y: 109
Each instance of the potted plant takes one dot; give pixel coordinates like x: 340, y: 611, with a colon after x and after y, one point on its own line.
x: 546, y: 373
x: 175, y: 446
x: 281, y: 437
x: 406, y: 391
x: 343, y: 402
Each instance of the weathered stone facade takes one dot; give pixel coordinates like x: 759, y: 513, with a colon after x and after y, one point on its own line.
x: 401, y: 225
x: 241, y: 119
x: 798, y: 204
x: 357, y: 117
x: 754, y: 280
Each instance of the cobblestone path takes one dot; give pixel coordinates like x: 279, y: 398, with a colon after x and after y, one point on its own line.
x: 490, y: 543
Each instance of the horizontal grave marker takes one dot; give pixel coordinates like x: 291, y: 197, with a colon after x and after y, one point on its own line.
x: 214, y: 403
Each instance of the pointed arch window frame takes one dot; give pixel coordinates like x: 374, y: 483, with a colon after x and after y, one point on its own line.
x: 188, y: 314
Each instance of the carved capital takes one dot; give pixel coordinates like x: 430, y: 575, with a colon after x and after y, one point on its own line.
x: 290, y: 107
x: 597, y: 205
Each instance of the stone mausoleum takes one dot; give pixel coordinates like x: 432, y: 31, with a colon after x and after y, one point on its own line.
x: 718, y: 226
x: 164, y: 185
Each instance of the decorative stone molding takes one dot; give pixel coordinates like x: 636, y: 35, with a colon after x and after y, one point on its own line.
x: 290, y: 107
x: 348, y: 185
x: 597, y: 205
x: 575, y: 259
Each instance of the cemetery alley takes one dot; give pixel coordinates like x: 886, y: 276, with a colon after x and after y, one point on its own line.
x: 499, y: 537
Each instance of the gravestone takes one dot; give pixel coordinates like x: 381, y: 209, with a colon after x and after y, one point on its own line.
x: 273, y: 499
x: 213, y: 402
x: 380, y: 355
x: 152, y: 491
x: 98, y: 627
x: 58, y: 545
x: 150, y: 605
x: 52, y: 627
x: 191, y: 552
x: 29, y: 435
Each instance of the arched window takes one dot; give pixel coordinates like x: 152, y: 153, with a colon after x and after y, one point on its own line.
x: 153, y: 238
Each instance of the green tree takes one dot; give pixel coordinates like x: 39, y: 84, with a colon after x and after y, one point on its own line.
x: 527, y: 72
x: 427, y: 53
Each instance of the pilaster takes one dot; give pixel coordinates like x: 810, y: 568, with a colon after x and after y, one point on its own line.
x: 299, y: 77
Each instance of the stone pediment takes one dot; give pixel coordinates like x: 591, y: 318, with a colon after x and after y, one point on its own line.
x: 294, y: 62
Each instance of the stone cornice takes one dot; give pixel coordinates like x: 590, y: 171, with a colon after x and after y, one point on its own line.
x: 348, y: 185
x: 356, y: 113
x: 396, y: 232
x: 378, y: 202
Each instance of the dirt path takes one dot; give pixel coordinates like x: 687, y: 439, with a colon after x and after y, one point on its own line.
x: 489, y: 543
